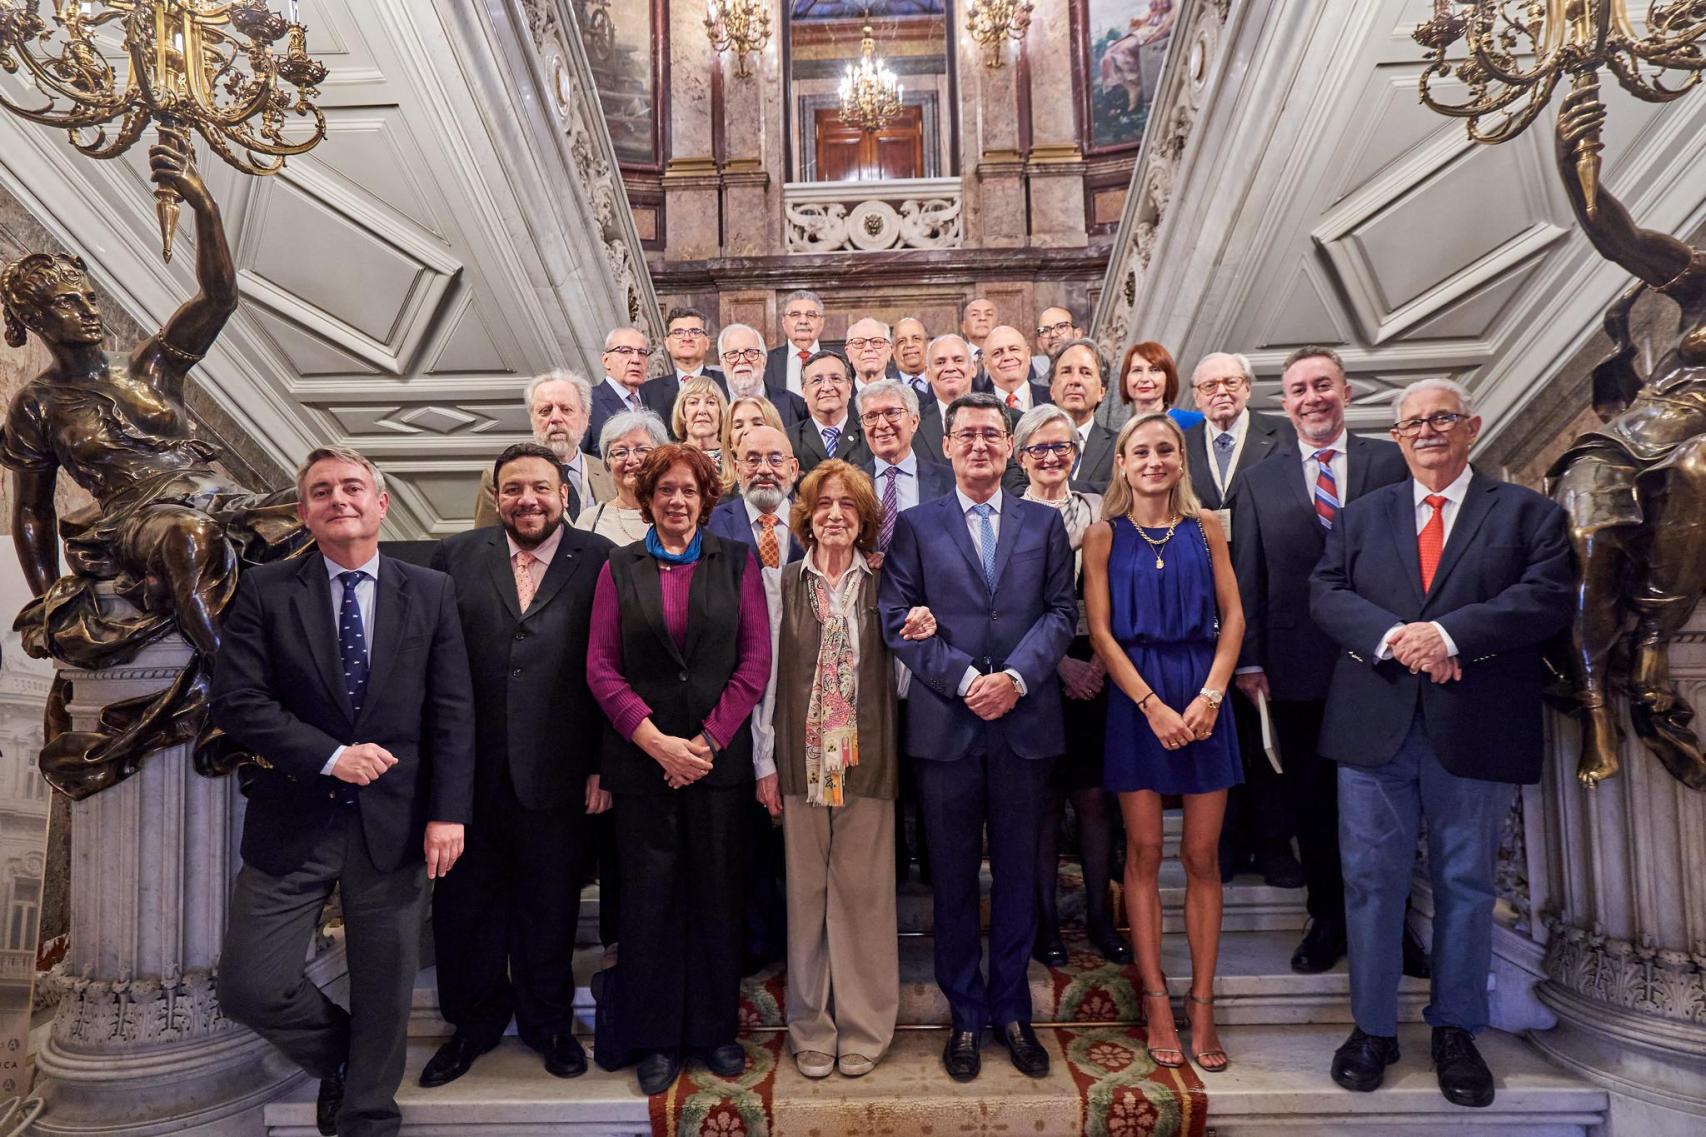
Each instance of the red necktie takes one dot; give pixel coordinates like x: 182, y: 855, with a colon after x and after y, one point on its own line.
x: 804, y: 355
x: 1013, y: 400
x: 1431, y: 540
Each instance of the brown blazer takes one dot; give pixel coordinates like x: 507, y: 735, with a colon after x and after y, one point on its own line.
x: 599, y: 488
x: 877, y: 774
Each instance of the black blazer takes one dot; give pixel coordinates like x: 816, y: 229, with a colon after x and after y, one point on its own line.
x: 1263, y: 436
x: 1502, y: 588
x: 278, y: 690
x: 606, y: 403
x: 1276, y: 542
x: 659, y: 394
x: 807, y: 441
x: 1096, y: 471
x: 533, y: 713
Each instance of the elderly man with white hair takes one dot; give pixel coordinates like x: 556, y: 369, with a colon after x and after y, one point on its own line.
x: 557, y: 404
x: 626, y: 352
x: 744, y: 357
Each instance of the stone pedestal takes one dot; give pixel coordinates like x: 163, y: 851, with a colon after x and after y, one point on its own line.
x: 138, y: 1045
x: 1623, y: 903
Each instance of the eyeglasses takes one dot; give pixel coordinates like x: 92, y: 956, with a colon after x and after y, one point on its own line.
x: 1042, y: 450
x: 642, y: 352
x: 887, y: 414
x: 866, y: 341
x: 820, y: 380
x: 802, y: 314
x: 618, y: 454
x: 744, y: 355
x: 1059, y: 329
x: 1210, y: 386
x: 775, y: 460
x: 969, y: 437
x: 686, y: 333
x: 1441, y: 421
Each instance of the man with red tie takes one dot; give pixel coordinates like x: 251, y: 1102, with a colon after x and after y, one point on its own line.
x: 1439, y: 591
x: 802, y: 323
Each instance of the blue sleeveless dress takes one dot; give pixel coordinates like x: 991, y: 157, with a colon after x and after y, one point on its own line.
x: 1167, y: 621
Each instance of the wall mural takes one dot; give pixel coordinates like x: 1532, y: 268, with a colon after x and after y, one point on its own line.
x: 1126, y: 50
x: 624, y: 40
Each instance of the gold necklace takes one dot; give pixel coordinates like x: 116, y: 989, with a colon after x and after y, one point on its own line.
x: 1155, y: 545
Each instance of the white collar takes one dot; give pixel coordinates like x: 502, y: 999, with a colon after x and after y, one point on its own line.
x: 1238, y: 427
x: 859, y: 564
x: 967, y: 503
x: 838, y: 427
x: 753, y: 513
x: 334, y: 569
x: 907, y: 465
x: 1337, y: 446
x: 619, y: 389
x: 1453, y: 493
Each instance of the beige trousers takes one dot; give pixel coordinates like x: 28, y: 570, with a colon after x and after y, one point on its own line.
x: 842, y: 952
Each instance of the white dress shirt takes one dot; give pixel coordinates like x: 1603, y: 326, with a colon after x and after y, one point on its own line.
x: 1021, y: 395
x: 1239, y: 430
x: 795, y: 363
x: 974, y: 525
x: 839, y: 427
x: 905, y: 482
x: 365, y: 590
x: 576, y: 467
x: 1453, y: 495
x: 763, y: 731
x: 630, y: 399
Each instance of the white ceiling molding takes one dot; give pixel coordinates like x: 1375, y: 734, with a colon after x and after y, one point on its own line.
x: 461, y: 228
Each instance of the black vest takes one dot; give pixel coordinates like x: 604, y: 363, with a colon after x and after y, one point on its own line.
x: 680, y: 684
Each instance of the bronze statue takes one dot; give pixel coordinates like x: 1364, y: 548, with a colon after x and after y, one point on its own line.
x: 168, y: 530
x: 1635, y: 489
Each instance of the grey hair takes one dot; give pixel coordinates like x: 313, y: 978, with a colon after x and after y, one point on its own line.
x: 610, y: 337
x: 1243, y: 361
x: 1313, y: 351
x: 883, y: 388
x: 723, y: 339
x: 617, y: 425
x: 336, y: 454
x: 559, y: 375
x: 804, y: 294
x: 1081, y: 341
x: 888, y: 332
x: 931, y: 346
x: 1434, y: 383
x: 1038, y: 417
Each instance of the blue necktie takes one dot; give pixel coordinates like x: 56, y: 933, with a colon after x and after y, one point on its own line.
x: 1223, y: 453
x: 986, y: 538
x: 352, y: 641
x: 830, y: 434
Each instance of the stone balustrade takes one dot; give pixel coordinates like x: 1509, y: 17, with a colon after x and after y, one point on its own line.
x: 915, y: 213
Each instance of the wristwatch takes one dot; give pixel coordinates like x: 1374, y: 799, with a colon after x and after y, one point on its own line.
x: 1211, y: 696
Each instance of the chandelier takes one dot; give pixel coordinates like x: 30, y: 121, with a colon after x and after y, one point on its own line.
x: 1518, y: 50
x: 742, y: 26
x: 870, y: 94
x: 193, y: 64
x: 993, y: 22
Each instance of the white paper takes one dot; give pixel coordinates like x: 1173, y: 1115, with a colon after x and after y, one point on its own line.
x: 1268, y: 743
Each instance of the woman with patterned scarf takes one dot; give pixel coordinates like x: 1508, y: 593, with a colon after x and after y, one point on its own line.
x: 836, y: 758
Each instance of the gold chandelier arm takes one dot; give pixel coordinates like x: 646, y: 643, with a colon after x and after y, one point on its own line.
x: 1483, y: 98
x: 279, y: 147
x: 128, y: 132
x: 220, y: 143
x: 1651, y: 88
x: 51, y: 85
x: 1515, y: 122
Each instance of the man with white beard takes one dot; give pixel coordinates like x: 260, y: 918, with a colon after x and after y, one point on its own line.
x: 557, y: 407
x: 743, y: 353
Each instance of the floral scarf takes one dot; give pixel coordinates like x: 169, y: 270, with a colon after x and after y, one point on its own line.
x: 832, y: 721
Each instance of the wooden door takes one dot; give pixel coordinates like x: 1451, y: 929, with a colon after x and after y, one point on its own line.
x: 847, y: 154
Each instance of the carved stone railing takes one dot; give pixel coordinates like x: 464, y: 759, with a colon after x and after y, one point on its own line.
x: 917, y: 213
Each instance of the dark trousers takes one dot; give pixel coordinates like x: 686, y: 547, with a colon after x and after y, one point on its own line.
x: 957, y: 797
x: 764, y: 926
x: 678, y: 976
x: 1313, y: 789
x: 504, y: 920
x: 915, y: 848
x: 262, y: 981
x: 1259, y: 814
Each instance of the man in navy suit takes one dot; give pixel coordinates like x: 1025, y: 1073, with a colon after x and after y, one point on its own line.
x: 830, y: 431
x: 346, y: 671
x: 1286, y: 509
x: 984, y: 717
x: 1439, y: 592
x: 1076, y: 385
x: 625, y: 354
x: 1007, y: 359
x: 743, y: 353
x: 687, y: 343
x: 802, y: 321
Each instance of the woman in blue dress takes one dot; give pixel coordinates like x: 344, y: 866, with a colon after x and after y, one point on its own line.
x: 1166, y: 622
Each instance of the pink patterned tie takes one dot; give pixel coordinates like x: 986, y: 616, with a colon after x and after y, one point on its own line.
x: 523, y: 578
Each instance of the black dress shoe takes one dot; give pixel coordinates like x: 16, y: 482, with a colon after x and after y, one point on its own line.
x: 1360, y: 1064
x: 452, y: 1061
x: 1416, y: 962
x: 1029, y: 1057
x: 1111, y: 944
x: 564, y: 1057
x: 1463, y: 1075
x: 725, y: 1061
x: 1280, y: 869
x: 327, y: 1104
x: 961, y: 1055
x: 1323, y: 946
x: 657, y: 1071
x: 1231, y: 864
x: 1050, y: 951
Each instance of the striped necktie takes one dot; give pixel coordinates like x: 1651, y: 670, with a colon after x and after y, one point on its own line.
x: 1326, y: 489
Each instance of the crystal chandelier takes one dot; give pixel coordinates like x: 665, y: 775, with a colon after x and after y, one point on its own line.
x: 193, y: 65
x: 742, y: 26
x: 993, y: 22
x: 870, y: 94
x: 1518, y: 50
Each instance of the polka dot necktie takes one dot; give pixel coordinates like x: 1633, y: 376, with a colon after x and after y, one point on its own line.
x: 523, y: 562
x: 352, y: 640
x: 986, y: 539
x: 1223, y: 444
x: 1430, y: 542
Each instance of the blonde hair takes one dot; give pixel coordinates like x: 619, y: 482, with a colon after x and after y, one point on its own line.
x: 772, y: 417
x: 698, y: 385
x: 1118, y: 500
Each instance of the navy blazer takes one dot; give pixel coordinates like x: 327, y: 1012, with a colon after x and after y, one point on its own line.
x: 659, y: 394
x: 928, y: 442
x: 1276, y: 543
x: 1503, y: 587
x: 1264, y: 434
x: 278, y: 689
x: 1025, y: 624
x: 934, y: 478
x: 730, y: 522
x: 605, y: 404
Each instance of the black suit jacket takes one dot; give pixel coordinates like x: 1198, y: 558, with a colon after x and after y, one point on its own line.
x: 928, y: 443
x: 533, y: 713
x: 659, y: 394
x: 1264, y: 435
x: 807, y: 441
x: 1276, y: 542
x: 1502, y: 588
x: 935, y: 479
x: 278, y: 689
x: 606, y: 403
x: 791, y: 406
x: 1096, y: 470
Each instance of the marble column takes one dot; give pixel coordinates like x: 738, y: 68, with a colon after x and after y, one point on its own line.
x: 753, y: 171
x: 138, y: 1045
x: 693, y: 230
x: 1054, y: 168
x: 989, y: 149
x: 1624, y: 906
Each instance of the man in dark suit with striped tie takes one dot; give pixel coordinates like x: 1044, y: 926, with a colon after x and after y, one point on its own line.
x: 831, y: 431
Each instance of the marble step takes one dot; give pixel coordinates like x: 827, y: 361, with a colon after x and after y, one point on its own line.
x: 1277, y: 1085
x: 1255, y: 985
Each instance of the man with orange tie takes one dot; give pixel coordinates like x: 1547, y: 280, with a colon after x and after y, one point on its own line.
x: 1439, y: 591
